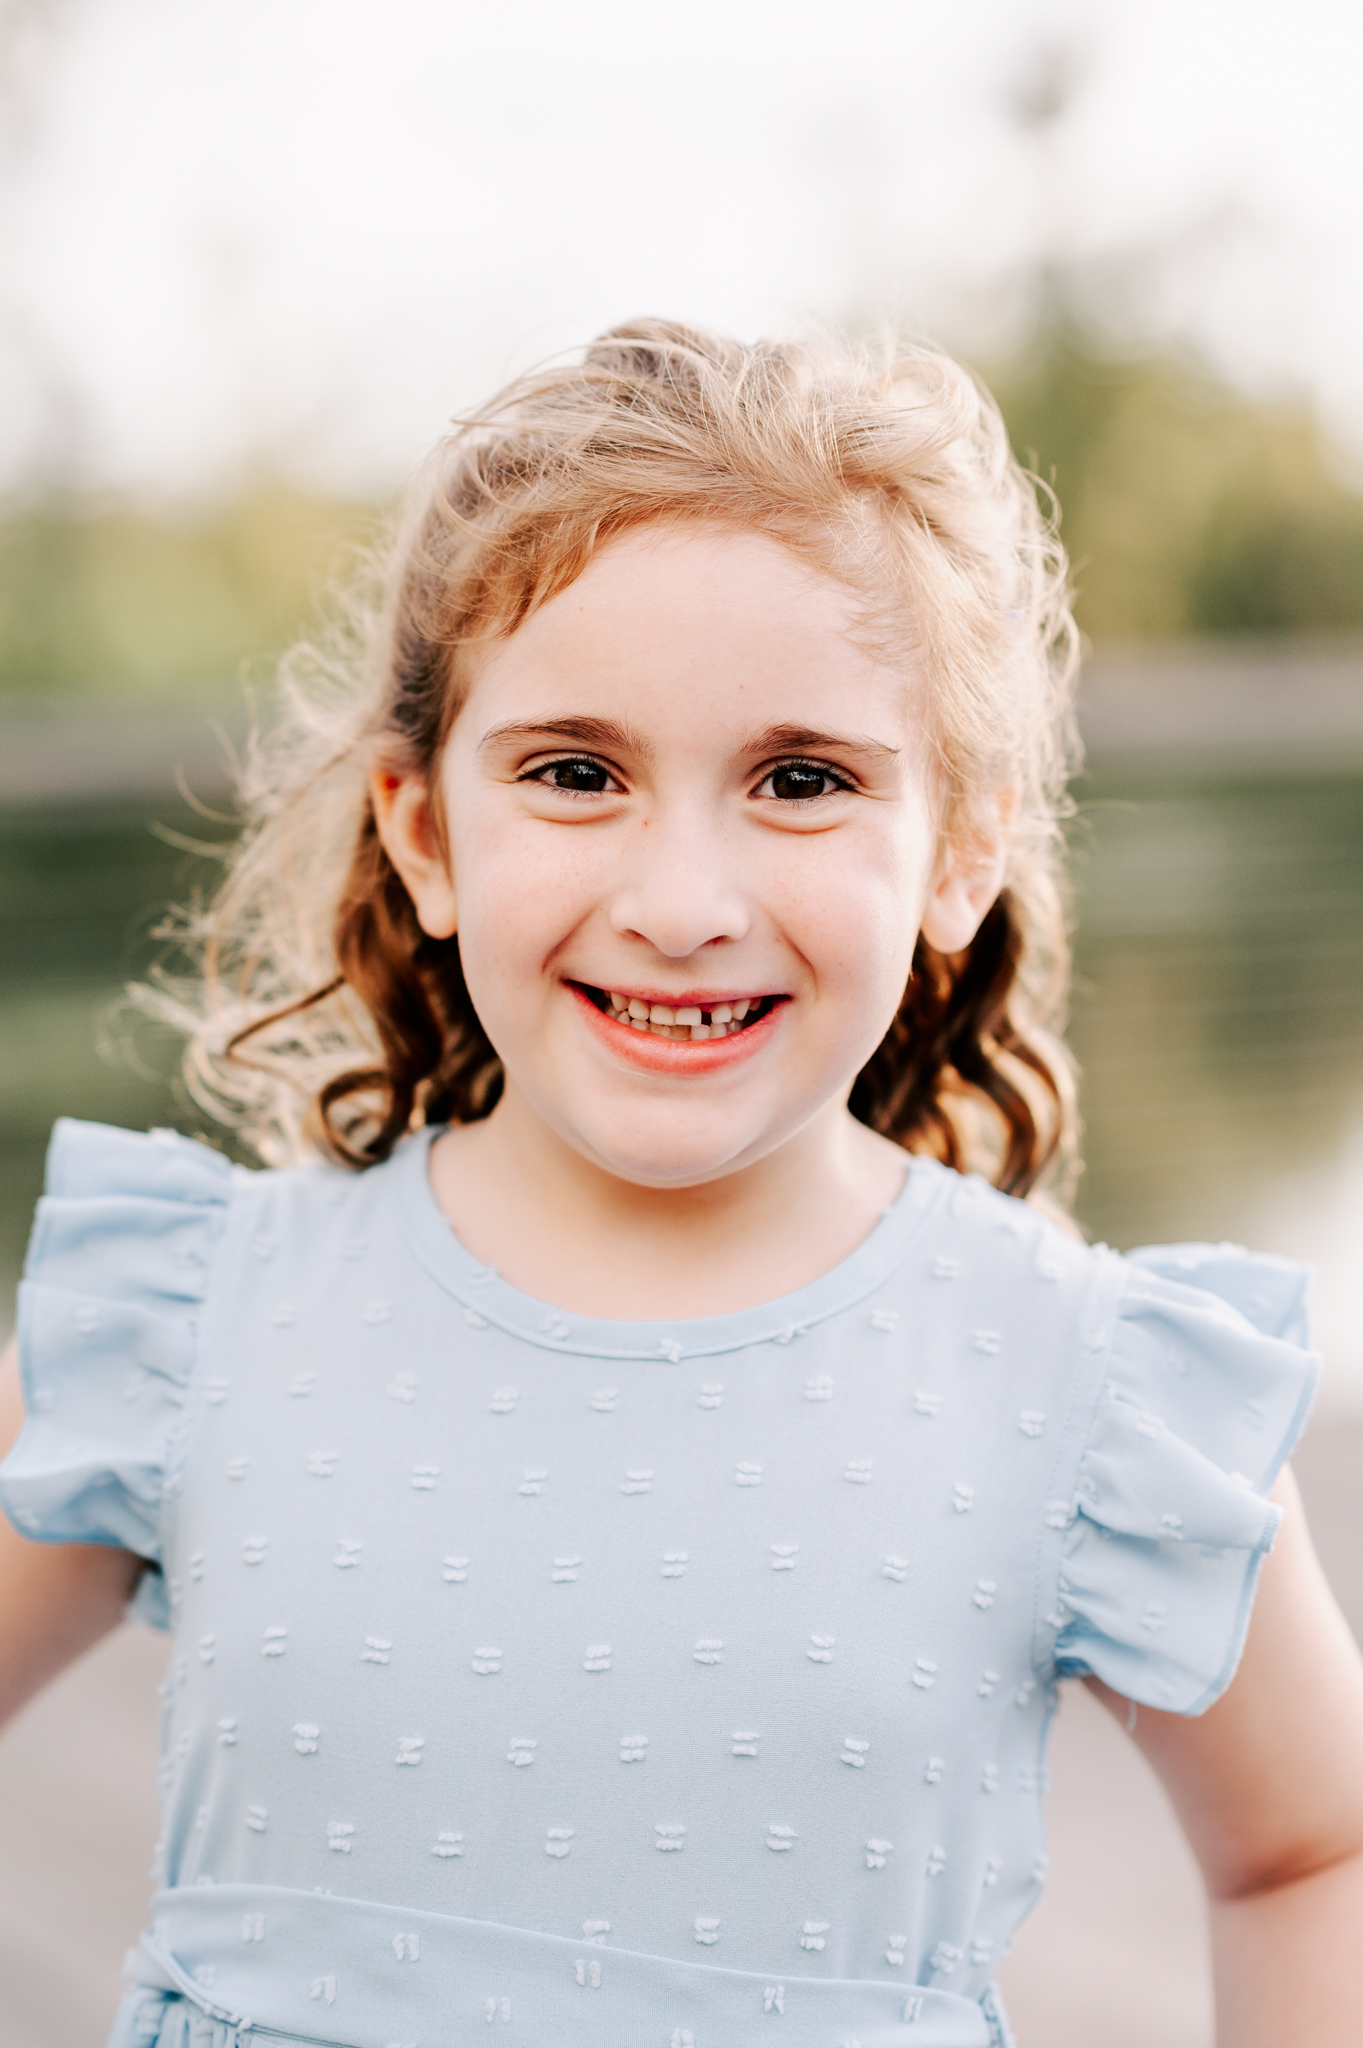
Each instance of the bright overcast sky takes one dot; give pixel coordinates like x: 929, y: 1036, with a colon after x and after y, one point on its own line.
x: 303, y: 232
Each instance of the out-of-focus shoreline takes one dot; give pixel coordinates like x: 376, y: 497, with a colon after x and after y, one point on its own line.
x: 1226, y: 706
x: 1223, y: 706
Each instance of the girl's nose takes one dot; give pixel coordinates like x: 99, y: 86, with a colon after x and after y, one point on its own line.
x: 680, y: 892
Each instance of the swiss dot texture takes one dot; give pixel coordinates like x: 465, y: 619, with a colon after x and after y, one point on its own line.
x: 733, y: 1642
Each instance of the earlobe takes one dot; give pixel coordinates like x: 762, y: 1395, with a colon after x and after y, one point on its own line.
x: 407, y: 829
x: 968, y: 880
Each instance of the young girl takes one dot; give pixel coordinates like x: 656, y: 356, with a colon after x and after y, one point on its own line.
x: 626, y: 1481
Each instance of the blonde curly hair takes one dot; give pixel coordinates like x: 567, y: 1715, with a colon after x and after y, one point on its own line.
x: 321, y: 1020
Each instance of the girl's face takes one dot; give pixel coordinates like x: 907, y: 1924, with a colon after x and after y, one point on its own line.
x: 691, y: 845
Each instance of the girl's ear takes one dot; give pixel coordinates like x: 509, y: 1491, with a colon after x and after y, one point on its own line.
x: 969, y: 876
x: 410, y: 837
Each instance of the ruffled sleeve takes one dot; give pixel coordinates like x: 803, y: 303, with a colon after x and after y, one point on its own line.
x: 117, y: 1267
x: 1207, y: 1389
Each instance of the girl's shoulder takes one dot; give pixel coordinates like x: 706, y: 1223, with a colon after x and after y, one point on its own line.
x: 135, y: 1236
x: 143, y: 1207
x: 144, y: 1218
x: 1012, y: 1248
x: 1166, y: 1388
x: 1205, y: 1386
x: 1208, y: 1343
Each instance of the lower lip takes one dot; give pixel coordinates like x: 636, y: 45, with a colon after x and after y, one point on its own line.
x: 675, y: 1055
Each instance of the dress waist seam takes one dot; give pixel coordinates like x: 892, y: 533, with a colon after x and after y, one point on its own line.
x: 232, y: 1964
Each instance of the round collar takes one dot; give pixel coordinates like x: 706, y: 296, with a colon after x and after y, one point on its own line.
x: 488, y: 1297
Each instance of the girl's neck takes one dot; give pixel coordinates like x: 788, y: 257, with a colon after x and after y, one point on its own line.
x: 563, y: 1229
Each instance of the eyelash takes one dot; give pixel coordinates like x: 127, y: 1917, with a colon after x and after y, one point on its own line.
x: 840, y: 782
x: 546, y: 768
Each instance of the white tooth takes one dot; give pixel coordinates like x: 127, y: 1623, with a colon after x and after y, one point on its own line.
x: 662, y: 1013
x: 638, y: 1010
x: 741, y: 1009
x: 700, y: 1031
x: 721, y: 1014
x: 618, y: 1002
x: 691, y: 1016
x: 639, y: 1023
x: 720, y: 1030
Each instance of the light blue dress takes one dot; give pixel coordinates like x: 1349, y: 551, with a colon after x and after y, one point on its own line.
x: 544, y: 1680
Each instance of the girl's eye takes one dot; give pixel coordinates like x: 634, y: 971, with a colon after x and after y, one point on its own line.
x: 581, y: 777
x: 799, y: 781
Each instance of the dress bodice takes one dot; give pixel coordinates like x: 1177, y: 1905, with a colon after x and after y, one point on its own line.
x: 730, y: 1642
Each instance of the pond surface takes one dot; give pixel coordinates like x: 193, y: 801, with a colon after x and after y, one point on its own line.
x: 1218, y: 1012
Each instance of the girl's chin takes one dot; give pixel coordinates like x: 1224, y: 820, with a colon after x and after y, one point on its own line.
x: 646, y: 1136
x: 662, y: 1167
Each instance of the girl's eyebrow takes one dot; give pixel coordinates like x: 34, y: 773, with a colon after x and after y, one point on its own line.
x: 608, y: 733
x: 583, y: 732
x: 805, y: 739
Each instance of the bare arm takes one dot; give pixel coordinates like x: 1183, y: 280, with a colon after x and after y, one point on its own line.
x: 1268, y: 1784
x: 56, y: 1599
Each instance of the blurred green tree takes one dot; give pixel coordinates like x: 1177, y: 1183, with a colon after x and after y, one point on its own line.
x: 1187, y: 509
x: 114, y: 598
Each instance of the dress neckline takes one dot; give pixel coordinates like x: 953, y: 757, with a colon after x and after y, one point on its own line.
x: 486, y: 1296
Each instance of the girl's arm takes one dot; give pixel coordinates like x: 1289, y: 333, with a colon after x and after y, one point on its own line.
x: 56, y: 1599
x: 1268, y: 1784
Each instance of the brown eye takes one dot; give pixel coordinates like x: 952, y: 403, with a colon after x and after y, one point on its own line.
x: 796, y: 782
x: 583, y: 777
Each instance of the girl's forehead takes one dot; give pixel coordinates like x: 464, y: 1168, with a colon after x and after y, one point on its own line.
x: 724, y: 571
x: 701, y: 616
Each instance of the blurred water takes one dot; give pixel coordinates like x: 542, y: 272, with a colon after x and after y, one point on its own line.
x: 1218, y: 1018
x: 1218, y: 1012
x: 81, y: 887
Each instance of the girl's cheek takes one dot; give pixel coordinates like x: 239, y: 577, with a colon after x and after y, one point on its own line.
x: 520, y: 893
x: 858, y: 913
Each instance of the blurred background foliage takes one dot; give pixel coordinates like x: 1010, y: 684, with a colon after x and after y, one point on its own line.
x: 1188, y: 510
x: 134, y: 601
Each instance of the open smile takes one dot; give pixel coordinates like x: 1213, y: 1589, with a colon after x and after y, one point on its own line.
x: 727, y: 1030
x: 683, y: 1021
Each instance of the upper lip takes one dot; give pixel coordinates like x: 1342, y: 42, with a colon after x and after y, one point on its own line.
x: 683, y: 999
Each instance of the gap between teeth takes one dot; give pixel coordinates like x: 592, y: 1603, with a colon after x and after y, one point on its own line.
x: 686, y: 1022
